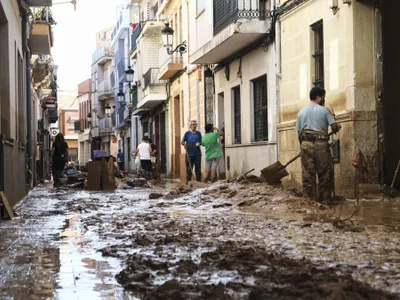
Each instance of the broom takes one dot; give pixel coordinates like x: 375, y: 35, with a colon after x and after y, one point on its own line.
x: 390, y: 190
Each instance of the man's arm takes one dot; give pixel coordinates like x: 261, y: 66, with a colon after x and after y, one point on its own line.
x: 183, y: 142
x: 332, y: 122
x: 221, y: 133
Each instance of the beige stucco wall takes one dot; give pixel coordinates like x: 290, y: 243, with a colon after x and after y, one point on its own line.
x: 349, y: 82
x: 248, y: 154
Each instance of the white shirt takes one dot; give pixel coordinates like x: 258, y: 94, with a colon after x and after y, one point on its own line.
x: 144, y: 151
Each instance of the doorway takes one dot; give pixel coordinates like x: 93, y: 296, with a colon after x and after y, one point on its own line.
x: 391, y: 92
x: 221, y: 124
x: 163, y: 146
x: 176, y: 164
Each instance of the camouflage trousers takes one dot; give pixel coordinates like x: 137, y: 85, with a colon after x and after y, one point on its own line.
x: 316, y: 161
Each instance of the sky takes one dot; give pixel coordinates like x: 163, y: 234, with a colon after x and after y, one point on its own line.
x: 75, y: 37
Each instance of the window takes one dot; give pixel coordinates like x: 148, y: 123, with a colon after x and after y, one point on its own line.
x: 260, y: 101
x: 72, y: 154
x: 200, y: 6
x: 318, y: 56
x: 237, y: 114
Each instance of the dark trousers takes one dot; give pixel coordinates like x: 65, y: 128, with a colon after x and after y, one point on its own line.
x: 58, y: 167
x: 121, y: 166
x: 193, y: 161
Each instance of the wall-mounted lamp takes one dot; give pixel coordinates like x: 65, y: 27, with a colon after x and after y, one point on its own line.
x: 108, y: 110
x: 333, y: 4
x: 129, y: 74
x: 89, y: 117
x: 346, y: 1
x: 121, y: 97
x: 167, y: 37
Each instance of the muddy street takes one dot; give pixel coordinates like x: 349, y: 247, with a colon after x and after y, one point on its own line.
x: 242, y: 240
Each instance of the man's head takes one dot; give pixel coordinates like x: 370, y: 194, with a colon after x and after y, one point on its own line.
x: 145, y: 139
x: 193, y: 125
x: 119, y: 150
x: 317, y: 94
x: 150, y: 141
x: 209, y: 128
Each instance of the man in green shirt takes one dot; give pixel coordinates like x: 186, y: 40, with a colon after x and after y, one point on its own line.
x: 213, y: 150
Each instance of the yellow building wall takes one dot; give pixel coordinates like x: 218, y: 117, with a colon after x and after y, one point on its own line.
x: 349, y: 82
x: 72, y: 143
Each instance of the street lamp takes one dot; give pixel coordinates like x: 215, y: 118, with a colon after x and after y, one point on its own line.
x: 108, y: 110
x: 129, y: 75
x: 121, y: 97
x: 167, y: 37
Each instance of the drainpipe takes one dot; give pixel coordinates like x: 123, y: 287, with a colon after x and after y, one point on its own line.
x: 277, y: 43
x: 24, y: 20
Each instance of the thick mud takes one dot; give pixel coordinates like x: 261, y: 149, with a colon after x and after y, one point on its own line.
x: 245, y: 241
x: 240, y: 240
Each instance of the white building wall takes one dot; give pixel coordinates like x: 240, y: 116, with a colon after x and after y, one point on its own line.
x: 200, y: 25
x: 248, y: 154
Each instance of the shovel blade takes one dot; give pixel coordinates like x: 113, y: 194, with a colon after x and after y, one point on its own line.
x: 274, y: 173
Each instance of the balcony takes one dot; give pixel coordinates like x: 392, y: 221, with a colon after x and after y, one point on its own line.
x: 121, y: 67
x: 169, y: 64
x: 123, y: 117
x: 102, y: 55
x: 51, y: 104
x: 237, y: 25
x: 105, y: 127
x: 40, y: 42
x: 154, y: 90
x: 134, y: 36
x: 37, y: 3
x: 40, y: 70
x: 104, y: 90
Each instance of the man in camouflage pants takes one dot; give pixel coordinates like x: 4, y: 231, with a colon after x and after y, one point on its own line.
x: 316, y: 157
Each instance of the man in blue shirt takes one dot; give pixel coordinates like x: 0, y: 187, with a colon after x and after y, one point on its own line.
x: 312, y: 126
x: 121, y: 159
x: 192, y: 141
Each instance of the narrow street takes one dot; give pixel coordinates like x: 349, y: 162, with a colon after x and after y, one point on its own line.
x: 238, y: 240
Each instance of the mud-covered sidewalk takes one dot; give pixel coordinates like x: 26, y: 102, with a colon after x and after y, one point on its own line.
x: 240, y: 240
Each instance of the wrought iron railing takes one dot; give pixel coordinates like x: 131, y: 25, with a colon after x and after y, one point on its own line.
x: 227, y: 12
x: 121, y: 69
x: 105, y: 126
x: 151, y: 78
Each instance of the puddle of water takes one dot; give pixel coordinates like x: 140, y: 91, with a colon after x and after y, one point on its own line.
x: 377, y: 213
x: 84, y: 273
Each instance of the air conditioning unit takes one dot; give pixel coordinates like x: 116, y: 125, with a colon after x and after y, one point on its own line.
x: 102, y: 35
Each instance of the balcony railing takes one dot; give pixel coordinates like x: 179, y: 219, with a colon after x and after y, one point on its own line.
x: 228, y: 12
x: 123, y: 115
x: 103, y: 51
x: 121, y: 69
x: 134, y: 37
x: 104, y: 88
x: 151, y: 78
x: 112, y: 79
x: 105, y: 126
